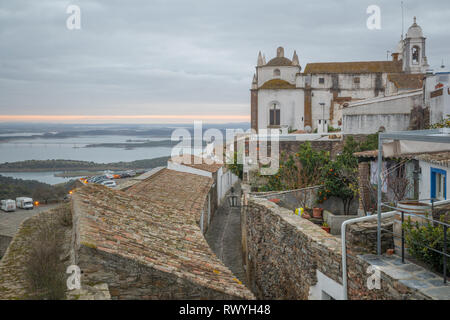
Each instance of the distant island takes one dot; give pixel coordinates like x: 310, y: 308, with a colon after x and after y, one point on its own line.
x: 132, y: 145
x: 76, y: 165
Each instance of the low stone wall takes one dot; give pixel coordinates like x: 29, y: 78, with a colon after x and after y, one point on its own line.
x: 284, y: 255
x: 291, y: 200
x: 130, y: 280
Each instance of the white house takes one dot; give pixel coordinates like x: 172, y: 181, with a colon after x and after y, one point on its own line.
x: 223, y: 178
x: 437, y: 95
x: 391, y: 113
x: 434, y: 175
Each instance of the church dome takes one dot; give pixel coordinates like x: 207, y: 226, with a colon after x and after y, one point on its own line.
x: 415, y: 31
x: 279, y: 61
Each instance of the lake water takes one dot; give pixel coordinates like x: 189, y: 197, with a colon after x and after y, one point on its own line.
x: 72, y: 149
x: 46, y: 177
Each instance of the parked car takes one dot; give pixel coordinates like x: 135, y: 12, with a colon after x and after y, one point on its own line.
x: 109, y: 176
x: 97, y: 179
x: 24, y: 203
x: 8, y: 205
x: 109, y: 183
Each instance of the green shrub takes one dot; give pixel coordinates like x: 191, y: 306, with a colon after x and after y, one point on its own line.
x: 416, y: 236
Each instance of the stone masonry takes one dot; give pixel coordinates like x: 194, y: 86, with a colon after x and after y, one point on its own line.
x: 282, y: 253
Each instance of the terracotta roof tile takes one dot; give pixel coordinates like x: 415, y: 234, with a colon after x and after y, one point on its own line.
x: 354, y: 67
x: 406, y: 81
x: 155, y: 233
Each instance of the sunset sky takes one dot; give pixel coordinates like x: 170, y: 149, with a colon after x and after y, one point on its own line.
x: 181, y: 60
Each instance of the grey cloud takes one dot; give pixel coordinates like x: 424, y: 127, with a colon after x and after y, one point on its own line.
x: 178, y: 53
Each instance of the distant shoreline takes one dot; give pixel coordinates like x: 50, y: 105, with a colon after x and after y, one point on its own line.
x: 71, y: 166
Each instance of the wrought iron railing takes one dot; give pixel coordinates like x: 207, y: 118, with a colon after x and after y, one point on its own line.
x: 431, y: 219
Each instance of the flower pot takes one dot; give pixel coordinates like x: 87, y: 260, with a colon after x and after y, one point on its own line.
x: 317, y: 213
x: 327, y: 229
x: 306, y: 216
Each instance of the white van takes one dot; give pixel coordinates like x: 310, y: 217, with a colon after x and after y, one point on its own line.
x: 109, y: 183
x: 8, y: 205
x: 24, y: 203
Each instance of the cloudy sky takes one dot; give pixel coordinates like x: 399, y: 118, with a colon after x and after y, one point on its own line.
x: 181, y: 59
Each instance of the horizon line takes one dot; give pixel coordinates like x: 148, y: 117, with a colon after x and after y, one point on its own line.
x: 126, y: 118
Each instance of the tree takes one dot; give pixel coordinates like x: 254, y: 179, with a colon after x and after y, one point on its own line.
x: 300, y: 170
x: 235, y: 167
x: 340, y: 178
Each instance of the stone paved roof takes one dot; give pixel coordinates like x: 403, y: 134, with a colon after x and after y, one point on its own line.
x: 192, y: 161
x: 155, y: 233
x: 406, y: 81
x: 175, y: 190
x: 355, y: 67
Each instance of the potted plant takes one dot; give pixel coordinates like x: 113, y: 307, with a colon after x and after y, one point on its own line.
x: 317, y: 213
x: 305, y: 214
x: 326, y: 227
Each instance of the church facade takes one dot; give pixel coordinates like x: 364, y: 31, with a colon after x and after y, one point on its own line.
x: 284, y: 97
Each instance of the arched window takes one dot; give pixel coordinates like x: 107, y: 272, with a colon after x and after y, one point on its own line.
x: 276, y: 73
x: 416, y: 55
x: 274, y: 114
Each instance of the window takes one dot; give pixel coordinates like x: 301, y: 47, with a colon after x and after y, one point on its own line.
x: 438, y: 184
x: 415, y: 55
x: 276, y: 73
x: 274, y: 115
x: 321, y: 80
x: 356, y: 80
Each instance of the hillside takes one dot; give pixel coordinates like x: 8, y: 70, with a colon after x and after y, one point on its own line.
x: 73, y: 165
x: 11, y: 188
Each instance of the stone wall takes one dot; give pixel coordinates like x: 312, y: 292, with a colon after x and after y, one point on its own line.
x: 293, y: 199
x: 130, y: 280
x: 331, y: 146
x: 283, y: 254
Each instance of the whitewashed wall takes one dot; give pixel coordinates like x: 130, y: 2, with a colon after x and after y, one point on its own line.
x: 291, y: 104
x: 425, y: 179
x: 227, y: 180
x: 392, y: 113
x: 287, y: 73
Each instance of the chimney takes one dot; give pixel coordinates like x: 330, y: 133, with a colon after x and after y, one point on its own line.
x: 395, y: 56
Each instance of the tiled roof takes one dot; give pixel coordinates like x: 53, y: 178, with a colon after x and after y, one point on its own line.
x: 277, y: 84
x: 366, y: 154
x: 279, y: 62
x: 175, y: 190
x: 197, y: 163
x: 355, y: 67
x: 155, y: 233
x: 439, y: 158
x: 406, y: 81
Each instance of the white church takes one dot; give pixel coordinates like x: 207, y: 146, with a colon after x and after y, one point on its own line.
x: 284, y: 97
